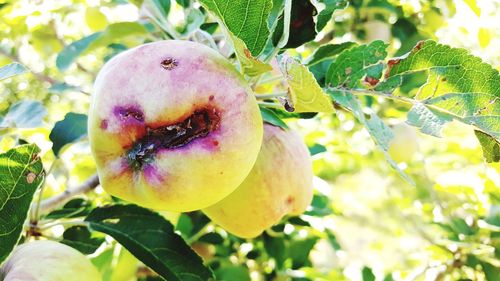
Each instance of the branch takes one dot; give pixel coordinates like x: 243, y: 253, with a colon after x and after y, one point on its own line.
x: 58, y: 200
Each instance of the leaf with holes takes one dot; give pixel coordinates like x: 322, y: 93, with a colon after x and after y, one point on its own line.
x: 150, y: 238
x: 459, y: 86
x: 305, y: 94
x: 355, y: 63
x: 21, y: 172
x: 245, y: 19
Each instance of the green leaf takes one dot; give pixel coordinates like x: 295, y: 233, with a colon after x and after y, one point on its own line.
x: 150, y: 238
x: 69, y: 54
x: 301, y: 29
x: 245, y: 19
x: 367, y: 274
x: 25, y: 114
x: 21, y: 173
x: 355, y: 63
x: 305, y: 94
x: 59, y: 88
x: 428, y: 120
x: 212, y: 238
x: 276, y: 248
x: 250, y: 65
x: 80, y: 238
x: 379, y: 131
x: 491, y: 147
x: 116, y: 31
x: 326, y: 14
x: 473, y: 6
x: 194, y: 20
x: 459, y: 86
x: 316, y: 149
x: 113, y: 33
x: 233, y: 273
x: 328, y: 51
x: 269, y: 116
x: 71, y: 128
x: 74, y: 208
x: 490, y: 271
x: 12, y: 69
x: 299, y: 251
x: 183, y: 3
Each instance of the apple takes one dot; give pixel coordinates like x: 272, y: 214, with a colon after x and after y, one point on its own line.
x: 173, y: 126
x: 48, y: 261
x: 404, y: 145
x: 280, y: 183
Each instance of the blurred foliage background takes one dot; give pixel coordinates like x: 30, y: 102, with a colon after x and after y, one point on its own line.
x: 365, y: 222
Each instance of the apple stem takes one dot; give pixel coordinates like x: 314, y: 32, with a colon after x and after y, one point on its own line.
x: 270, y: 96
x: 64, y: 223
x: 269, y: 104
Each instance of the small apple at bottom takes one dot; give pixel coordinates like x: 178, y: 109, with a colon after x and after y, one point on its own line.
x: 48, y: 261
x: 279, y: 184
x: 173, y: 126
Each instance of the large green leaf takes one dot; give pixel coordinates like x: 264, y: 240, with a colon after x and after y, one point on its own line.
x: 71, y: 128
x: 150, y: 238
x: 21, y: 172
x: 25, y: 114
x: 245, y: 19
x: 12, y: 69
x: 459, y: 86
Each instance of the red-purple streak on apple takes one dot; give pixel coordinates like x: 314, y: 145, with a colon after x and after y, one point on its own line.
x: 173, y: 126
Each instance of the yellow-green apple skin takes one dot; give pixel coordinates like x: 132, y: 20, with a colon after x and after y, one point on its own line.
x: 173, y: 126
x: 48, y: 261
x: 280, y: 183
x: 404, y: 145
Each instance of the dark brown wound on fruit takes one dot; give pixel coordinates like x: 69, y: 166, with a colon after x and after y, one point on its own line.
x: 197, y: 125
x: 169, y: 63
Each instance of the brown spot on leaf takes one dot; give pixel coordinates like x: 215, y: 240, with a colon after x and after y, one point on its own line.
x: 30, y: 177
x: 247, y: 53
x: 348, y: 71
x: 372, y: 81
x: 169, y: 63
x: 418, y: 46
x: 390, y: 64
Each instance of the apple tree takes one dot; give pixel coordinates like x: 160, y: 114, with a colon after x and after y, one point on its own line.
x: 249, y: 140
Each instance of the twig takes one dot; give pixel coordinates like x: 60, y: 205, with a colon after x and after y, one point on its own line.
x: 269, y: 96
x: 56, y: 201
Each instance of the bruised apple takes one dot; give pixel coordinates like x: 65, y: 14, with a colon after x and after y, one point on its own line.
x: 280, y: 183
x: 48, y: 261
x: 173, y: 126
